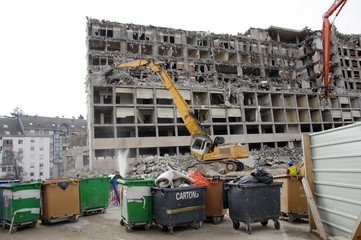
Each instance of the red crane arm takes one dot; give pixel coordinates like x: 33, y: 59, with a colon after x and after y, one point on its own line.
x: 326, y: 39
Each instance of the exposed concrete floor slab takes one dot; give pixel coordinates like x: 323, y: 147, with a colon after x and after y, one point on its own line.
x: 107, y: 226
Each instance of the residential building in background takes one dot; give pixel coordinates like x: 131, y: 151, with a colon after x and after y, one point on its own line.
x: 42, y: 142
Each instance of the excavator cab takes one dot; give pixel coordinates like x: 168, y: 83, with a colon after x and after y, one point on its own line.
x: 200, y: 145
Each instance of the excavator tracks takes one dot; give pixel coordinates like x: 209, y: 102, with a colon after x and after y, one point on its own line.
x: 217, y: 167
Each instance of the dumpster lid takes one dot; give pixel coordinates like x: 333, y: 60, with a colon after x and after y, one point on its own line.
x: 180, y: 188
x: 21, y: 185
x: 136, y: 182
x: 287, y: 176
x: 84, y: 178
x: 250, y: 185
x: 57, y: 180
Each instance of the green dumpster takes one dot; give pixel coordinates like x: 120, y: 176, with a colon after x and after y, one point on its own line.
x: 136, y: 202
x: 21, y: 204
x: 94, y: 194
x: 1, y: 197
x: 1, y: 205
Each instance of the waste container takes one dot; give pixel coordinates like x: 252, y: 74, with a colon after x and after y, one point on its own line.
x: 136, y: 202
x: 94, y: 194
x: 60, y: 200
x: 293, y: 197
x: 1, y: 206
x: 254, y: 202
x: 1, y: 198
x: 177, y: 206
x: 21, y: 204
x: 214, y: 200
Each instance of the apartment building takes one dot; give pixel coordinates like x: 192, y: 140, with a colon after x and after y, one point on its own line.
x: 260, y: 88
x: 29, y: 152
x: 42, y: 142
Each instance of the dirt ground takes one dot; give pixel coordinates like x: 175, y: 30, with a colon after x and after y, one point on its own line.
x: 107, y: 226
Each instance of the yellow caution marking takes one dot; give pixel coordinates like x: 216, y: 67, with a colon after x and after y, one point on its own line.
x: 185, y: 209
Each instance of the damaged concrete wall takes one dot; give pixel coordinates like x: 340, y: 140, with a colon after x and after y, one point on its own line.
x: 260, y: 88
x: 76, y: 156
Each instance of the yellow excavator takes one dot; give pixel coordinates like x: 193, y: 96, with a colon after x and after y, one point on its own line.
x: 222, y: 156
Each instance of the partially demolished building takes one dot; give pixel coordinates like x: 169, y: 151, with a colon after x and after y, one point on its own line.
x: 260, y: 88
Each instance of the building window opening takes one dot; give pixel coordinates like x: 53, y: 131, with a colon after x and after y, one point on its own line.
x: 135, y: 36
x: 200, y: 79
x: 106, y: 33
x: 86, y: 160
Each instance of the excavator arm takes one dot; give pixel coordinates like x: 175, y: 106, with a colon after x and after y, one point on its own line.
x: 190, y: 121
x: 326, y: 40
x: 202, y: 146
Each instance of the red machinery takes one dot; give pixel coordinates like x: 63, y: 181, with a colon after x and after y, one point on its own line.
x: 326, y: 40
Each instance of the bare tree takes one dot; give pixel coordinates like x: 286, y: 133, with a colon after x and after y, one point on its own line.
x: 12, y: 160
x: 17, y: 111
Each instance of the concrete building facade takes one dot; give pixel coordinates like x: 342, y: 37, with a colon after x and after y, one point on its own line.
x: 260, y: 88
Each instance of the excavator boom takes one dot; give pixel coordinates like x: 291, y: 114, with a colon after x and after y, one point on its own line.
x: 190, y: 121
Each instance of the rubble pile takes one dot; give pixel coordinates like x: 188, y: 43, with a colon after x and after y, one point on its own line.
x: 277, y: 156
x: 95, y: 172
x: 273, y: 159
x: 153, y: 166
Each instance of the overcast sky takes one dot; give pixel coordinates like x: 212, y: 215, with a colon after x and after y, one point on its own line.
x: 43, y: 42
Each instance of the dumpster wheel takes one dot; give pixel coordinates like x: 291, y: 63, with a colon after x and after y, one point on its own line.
x: 13, y: 229
x: 147, y: 226
x: 74, y: 218
x: 128, y: 228
x: 197, y: 225
x: 45, y: 221
x: 249, y: 228
x: 290, y: 218
x: 277, y: 224
x: 217, y: 220
x: 264, y: 223
x: 34, y: 224
x: 163, y: 227
x: 236, y: 224
x: 122, y: 222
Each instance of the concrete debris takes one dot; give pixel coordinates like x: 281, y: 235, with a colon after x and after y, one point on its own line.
x: 274, y: 159
x: 153, y: 166
x: 85, y: 172
x: 277, y: 156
